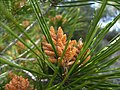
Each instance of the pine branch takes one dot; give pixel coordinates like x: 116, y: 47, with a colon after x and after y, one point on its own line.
x: 26, y: 30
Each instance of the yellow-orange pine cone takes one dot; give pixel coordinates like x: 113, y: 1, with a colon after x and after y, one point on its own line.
x: 60, y: 40
x: 18, y: 83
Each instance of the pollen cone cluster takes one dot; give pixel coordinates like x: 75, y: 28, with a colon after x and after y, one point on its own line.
x: 60, y: 40
x: 18, y: 83
x: 58, y: 19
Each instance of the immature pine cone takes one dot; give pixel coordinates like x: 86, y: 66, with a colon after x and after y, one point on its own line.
x: 18, y: 83
x: 58, y: 19
x: 60, y: 41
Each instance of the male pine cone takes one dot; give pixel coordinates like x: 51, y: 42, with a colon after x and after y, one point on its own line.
x: 18, y: 83
x: 60, y: 41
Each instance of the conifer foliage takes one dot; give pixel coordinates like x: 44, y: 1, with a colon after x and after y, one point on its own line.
x: 37, y: 45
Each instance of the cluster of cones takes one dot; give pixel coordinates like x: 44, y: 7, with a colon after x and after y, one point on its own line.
x: 18, y: 83
x: 57, y: 19
x: 60, y: 40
